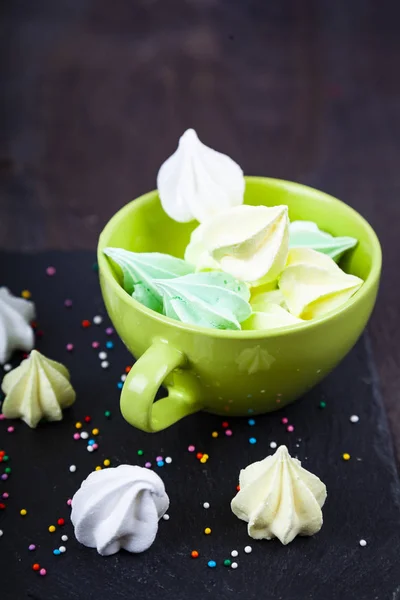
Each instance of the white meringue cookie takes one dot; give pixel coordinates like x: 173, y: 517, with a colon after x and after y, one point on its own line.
x: 197, y: 182
x: 15, y: 331
x: 119, y: 508
x: 249, y: 242
x: 278, y: 498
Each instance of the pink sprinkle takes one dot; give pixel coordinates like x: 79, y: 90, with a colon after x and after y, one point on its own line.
x: 95, y: 345
x: 42, y: 572
x: 159, y: 458
x: 77, y: 436
x: 6, y: 495
x: 285, y: 420
x: 69, y: 501
x: 228, y: 432
x: 10, y: 429
x: 4, y: 476
x: 69, y: 347
x: 290, y: 428
x: 67, y: 303
x: 109, y: 331
x: 51, y: 271
x: 147, y: 465
x: 31, y: 547
x: 95, y: 446
x: 191, y: 448
x: 2, y: 417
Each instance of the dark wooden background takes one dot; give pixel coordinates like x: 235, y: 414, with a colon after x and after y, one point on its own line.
x: 96, y: 93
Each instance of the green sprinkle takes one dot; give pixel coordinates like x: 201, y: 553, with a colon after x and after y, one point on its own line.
x: 140, y: 452
x: 227, y: 562
x: 107, y: 414
x: 7, y: 470
x: 6, y: 458
x: 322, y: 404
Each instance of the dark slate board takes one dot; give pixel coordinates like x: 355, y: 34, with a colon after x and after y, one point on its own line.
x: 363, y: 493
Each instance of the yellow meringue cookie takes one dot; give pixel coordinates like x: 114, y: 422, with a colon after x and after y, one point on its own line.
x: 278, y: 498
x: 249, y: 242
x: 271, y: 317
x: 38, y: 388
x: 312, y: 284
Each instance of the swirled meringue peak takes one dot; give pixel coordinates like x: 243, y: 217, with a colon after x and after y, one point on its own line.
x: 278, y: 498
x: 15, y: 331
x: 249, y: 242
x: 38, y: 389
x: 197, y: 182
x: 119, y: 508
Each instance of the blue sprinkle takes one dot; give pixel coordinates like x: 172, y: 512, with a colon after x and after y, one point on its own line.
x: 160, y: 463
x: 252, y: 440
x: 212, y: 564
x: 120, y: 385
x: 110, y: 344
x: 56, y: 552
x: 91, y: 442
x: 251, y: 422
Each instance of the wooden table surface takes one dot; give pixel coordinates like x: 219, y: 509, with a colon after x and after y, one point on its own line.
x: 96, y: 93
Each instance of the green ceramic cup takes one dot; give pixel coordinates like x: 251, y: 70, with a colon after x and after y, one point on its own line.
x: 230, y: 373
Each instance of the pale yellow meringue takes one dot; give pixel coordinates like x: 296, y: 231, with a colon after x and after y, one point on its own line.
x: 249, y: 242
x: 38, y: 389
x: 271, y: 317
x: 278, y: 498
x: 312, y: 284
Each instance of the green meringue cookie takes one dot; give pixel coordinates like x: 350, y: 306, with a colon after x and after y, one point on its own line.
x: 306, y: 234
x: 141, y: 268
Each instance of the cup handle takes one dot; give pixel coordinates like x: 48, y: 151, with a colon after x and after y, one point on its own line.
x: 142, y: 383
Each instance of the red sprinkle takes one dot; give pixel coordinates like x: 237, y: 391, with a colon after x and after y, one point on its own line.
x: 199, y: 455
x: 2, y: 506
x: 225, y: 424
x: 86, y: 323
x: 36, y: 566
x: 60, y: 522
x: 87, y: 419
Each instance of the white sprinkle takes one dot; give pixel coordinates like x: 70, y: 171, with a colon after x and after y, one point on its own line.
x: 166, y: 517
x: 62, y: 549
x: 234, y: 566
x: 104, y: 364
x: 354, y: 418
x: 72, y: 468
x: 273, y: 445
x: 97, y: 320
x: 7, y: 367
x: 90, y: 448
x: 123, y: 377
x: 1, y: 532
x: 84, y: 435
x: 206, y: 505
x: 102, y: 355
x: 234, y: 553
x: 248, y: 549
x: 168, y: 460
x: 64, y: 538
x: 363, y: 543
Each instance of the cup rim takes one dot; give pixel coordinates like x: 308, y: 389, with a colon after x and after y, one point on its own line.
x: 297, y: 328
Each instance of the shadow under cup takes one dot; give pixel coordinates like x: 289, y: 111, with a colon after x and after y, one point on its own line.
x: 230, y: 373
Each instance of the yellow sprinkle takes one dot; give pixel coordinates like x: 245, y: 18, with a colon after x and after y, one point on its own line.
x: 95, y: 431
x: 346, y: 456
x: 203, y: 460
x: 78, y: 425
x: 23, y: 512
x: 207, y: 531
x: 26, y: 294
x: 206, y: 456
x: 52, y: 529
x: 98, y: 468
x: 214, y: 434
x: 107, y: 462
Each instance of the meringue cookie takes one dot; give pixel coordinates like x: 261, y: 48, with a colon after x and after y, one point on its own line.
x: 141, y: 268
x: 15, y: 331
x: 38, y: 388
x: 278, y: 498
x: 212, y: 299
x: 249, y: 242
x: 197, y: 182
x: 119, y: 508
x: 306, y: 234
x: 313, y: 284
x: 271, y: 317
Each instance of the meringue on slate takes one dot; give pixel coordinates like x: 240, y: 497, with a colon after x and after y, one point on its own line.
x: 38, y: 389
x: 119, y: 508
x: 278, y: 498
x: 249, y: 242
x: 197, y: 182
x: 15, y: 331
